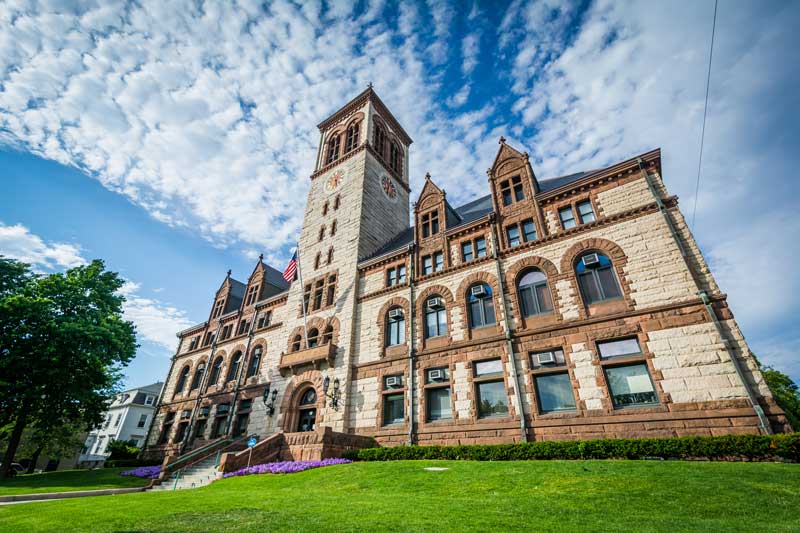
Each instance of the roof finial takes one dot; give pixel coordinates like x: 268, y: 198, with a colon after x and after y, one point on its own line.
x: 369, y: 85
x: 427, y: 175
x: 502, y: 140
x: 229, y: 272
x: 260, y: 258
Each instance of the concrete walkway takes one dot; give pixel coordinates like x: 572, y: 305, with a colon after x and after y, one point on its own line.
x: 45, y: 496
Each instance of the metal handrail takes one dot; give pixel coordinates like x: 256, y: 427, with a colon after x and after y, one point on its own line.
x: 199, y: 451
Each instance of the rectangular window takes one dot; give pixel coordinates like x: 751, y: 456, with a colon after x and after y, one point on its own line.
x: 438, y: 261
x: 554, y: 392
x: 630, y: 385
x: 438, y: 404
x: 519, y: 194
x: 466, y: 251
x: 426, y: 227
x: 619, y: 348
x: 512, y: 232
x: 567, y: 217
x: 505, y: 191
x: 142, y: 421
x: 480, y: 247
x: 528, y: 230
x: 401, y: 274
x: 218, y: 429
x: 181, y: 434
x: 149, y: 400
x: 427, y: 265
x: 200, y: 429
x: 492, y: 398
x: 116, y: 422
x: 393, y: 409
x: 585, y: 212
x: 391, y: 277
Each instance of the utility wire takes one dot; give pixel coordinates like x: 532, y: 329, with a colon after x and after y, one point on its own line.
x: 705, y: 112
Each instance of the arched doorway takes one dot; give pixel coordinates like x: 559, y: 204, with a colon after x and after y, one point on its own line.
x: 307, y: 410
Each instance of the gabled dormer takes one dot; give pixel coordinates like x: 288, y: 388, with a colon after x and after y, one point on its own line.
x: 514, y: 188
x: 228, y: 298
x: 263, y: 282
x: 432, y: 216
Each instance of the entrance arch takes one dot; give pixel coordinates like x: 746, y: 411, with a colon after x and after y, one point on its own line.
x: 301, y: 407
x: 307, y: 411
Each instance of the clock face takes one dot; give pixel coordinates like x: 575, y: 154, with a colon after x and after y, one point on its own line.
x: 334, y: 180
x: 389, y: 188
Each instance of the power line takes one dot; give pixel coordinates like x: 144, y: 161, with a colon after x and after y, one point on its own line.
x: 705, y: 112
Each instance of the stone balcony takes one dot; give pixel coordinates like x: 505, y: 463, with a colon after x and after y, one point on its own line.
x: 310, y: 356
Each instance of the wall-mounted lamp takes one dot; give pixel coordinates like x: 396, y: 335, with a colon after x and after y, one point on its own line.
x: 269, y: 403
x: 336, y: 395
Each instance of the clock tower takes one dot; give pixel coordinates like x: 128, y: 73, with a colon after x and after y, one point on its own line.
x: 358, y: 201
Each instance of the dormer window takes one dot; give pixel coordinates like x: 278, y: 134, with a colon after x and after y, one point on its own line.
x: 351, y: 141
x: 511, y: 190
x: 430, y: 223
x: 218, y: 307
x: 333, y: 149
x: 252, y: 293
x: 395, y: 158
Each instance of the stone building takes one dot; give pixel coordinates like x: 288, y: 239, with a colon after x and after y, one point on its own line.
x: 566, y: 308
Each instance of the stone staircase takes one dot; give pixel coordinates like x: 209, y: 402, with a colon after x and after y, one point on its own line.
x: 197, y: 475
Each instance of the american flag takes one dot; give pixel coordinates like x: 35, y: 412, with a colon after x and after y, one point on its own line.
x: 291, y: 268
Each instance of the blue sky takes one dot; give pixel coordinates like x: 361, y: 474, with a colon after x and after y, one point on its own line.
x: 175, y: 141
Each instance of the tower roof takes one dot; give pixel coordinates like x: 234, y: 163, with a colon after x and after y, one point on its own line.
x: 368, y: 94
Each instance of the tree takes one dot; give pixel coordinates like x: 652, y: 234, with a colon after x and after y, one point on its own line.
x: 122, y: 449
x: 63, y: 343
x: 785, y: 392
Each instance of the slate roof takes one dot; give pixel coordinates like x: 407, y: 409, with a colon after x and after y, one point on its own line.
x: 470, y: 212
x: 235, y: 297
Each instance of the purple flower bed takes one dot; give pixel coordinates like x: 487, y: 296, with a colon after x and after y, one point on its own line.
x: 286, y: 467
x: 149, y: 472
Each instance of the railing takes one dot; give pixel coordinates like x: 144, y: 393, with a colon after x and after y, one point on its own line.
x: 315, y: 355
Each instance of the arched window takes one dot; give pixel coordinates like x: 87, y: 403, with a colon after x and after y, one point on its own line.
x: 183, y: 376
x: 308, y: 411
x: 333, y: 228
x: 216, y: 369
x: 333, y: 149
x: 327, y: 335
x: 309, y: 397
x: 596, y: 278
x: 296, y: 342
x: 435, y: 317
x: 336, y: 202
x: 533, y: 293
x: 198, y: 376
x: 255, y: 361
x: 396, y: 158
x: 395, y: 327
x: 313, y: 338
x: 234, y: 368
x: 351, y: 141
x: 481, y: 306
x: 330, y: 255
x: 379, y: 140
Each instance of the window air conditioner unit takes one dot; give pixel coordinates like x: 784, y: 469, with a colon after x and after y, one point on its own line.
x: 435, y: 303
x: 478, y: 291
x: 545, y: 358
x: 436, y: 375
x: 393, y: 381
x: 396, y: 314
x: 591, y: 260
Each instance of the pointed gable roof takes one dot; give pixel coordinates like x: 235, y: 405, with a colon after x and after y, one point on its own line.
x: 505, y: 153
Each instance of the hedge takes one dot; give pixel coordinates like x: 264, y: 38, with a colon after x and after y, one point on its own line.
x: 784, y: 447
x: 126, y: 463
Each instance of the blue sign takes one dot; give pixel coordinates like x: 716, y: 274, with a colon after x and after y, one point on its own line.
x: 251, y: 442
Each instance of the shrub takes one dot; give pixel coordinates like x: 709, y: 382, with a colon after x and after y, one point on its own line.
x: 123, y: 463
x: 122, y: 449
x: 726, y: 448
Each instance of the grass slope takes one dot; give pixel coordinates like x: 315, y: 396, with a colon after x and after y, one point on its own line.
x: 470, y: 496
x: 69, y: 480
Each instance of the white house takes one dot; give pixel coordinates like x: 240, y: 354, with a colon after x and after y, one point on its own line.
x: 128, y: 418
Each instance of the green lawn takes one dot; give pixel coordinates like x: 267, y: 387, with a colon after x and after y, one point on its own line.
x: 470, y: 496
x: 69, y: 480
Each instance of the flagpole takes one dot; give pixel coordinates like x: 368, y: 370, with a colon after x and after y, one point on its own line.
x: 303, y: 297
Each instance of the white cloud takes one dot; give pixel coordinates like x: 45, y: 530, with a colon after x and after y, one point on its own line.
x: 155, y: 321
x: 19, y: 243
